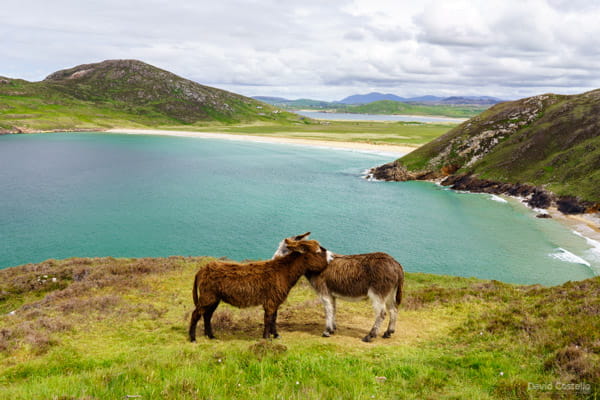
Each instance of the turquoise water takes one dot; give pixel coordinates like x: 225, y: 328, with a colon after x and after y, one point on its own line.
x: 88, y: 194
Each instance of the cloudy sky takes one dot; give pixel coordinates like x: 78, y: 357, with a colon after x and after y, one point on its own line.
x: 324, y: 49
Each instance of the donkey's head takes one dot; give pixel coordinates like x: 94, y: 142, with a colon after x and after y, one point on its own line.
x: 315, y: 258
x: 283, y: 250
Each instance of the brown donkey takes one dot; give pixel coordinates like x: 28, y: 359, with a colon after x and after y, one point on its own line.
x: 265, y: 283
x: 356, y: 277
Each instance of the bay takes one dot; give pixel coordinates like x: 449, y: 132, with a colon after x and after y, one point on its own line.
x: 97, y: 194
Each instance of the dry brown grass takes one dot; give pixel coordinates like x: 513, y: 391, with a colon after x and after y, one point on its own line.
x: 75, y: 291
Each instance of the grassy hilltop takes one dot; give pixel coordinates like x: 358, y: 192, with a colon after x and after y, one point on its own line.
x: 548, y: 140
x: 123, y: 93
x: 109, y: 328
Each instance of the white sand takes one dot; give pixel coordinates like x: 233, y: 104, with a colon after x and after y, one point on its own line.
x: 362, y: 147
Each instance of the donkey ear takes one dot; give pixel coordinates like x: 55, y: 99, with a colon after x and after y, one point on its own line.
x: 294, y: 245
x: 301, y: 237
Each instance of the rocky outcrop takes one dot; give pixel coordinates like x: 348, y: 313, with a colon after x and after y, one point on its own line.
x: 394, y: 171
x: 534, y: 196
x: 479, y: 136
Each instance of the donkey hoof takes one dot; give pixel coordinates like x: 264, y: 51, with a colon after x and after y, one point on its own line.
x: 367, y: 339
x: 277, y: 336
x: 387, y: 335
x: 326, y: 334
x: 193, y: 340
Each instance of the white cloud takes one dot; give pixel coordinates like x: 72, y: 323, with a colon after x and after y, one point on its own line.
x: 319, y: 49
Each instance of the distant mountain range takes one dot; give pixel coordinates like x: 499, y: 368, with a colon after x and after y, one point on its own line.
x: 375, y: 96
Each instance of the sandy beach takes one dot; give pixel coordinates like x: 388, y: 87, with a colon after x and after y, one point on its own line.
x: 392, y: 150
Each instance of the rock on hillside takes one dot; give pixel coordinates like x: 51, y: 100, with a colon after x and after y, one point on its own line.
x: 550, y: 143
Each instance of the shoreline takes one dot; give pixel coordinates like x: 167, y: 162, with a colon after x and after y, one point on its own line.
x: 386, y: 149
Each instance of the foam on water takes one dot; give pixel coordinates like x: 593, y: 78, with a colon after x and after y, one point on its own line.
x: 566, y: 256
x: 593, y: 253
x: 498, y: 199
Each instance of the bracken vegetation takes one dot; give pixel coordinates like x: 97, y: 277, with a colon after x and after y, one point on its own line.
x: 110, y: 328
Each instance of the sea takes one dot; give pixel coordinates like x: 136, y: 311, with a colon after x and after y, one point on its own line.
x: 68, y: 195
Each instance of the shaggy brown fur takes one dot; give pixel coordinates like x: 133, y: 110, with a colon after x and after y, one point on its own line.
x: 374, y: 275
x: 265, y: 283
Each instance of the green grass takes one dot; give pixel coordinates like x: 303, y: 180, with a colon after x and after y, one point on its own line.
x: 108, y: 328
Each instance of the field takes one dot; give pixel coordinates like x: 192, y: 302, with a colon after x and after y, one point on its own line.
x: 111, y: 328
x: 398, y: 133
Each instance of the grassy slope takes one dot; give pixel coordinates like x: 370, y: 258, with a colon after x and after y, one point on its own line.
x: 123, y: 93
x: 396, y: 107
x: 559, y: 147
x: 107, y: 328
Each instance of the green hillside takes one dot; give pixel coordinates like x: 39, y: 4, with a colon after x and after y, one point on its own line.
x: 396, y: 107
x: 549, y: 140
x: 123, y: 93
x: 110, y: 328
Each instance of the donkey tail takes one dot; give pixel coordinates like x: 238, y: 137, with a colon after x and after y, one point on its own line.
x: 195, y: 290
x: 399, y: 295
x: 400, y: 286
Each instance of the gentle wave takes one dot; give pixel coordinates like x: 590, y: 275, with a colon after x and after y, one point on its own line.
x: 498, y: 199
x: 567, y: 256
x: 594, y: 250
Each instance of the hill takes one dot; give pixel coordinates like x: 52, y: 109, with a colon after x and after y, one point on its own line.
x: 370, y: 97
x: 396, y: 107
x: 121, y: 93
x: 546, y: 147
x: 114, y: 328
x: 295, y: 104
x: 428, y: 99
x: 457, y: 107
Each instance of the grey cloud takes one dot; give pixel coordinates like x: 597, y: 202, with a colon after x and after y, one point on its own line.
x: 315, y: 48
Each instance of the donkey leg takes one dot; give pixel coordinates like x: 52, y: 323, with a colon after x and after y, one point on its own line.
x: 379, y: 307
x: 208, y: 313
x: 270, y: 320
x: 334, y: 301
x: 328, y: 303
x: 267, y: 325
x: 196, y: 314
x: 274, y: 326
x: 392, y: 308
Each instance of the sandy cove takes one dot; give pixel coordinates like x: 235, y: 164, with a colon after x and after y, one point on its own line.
x: 354, y: 146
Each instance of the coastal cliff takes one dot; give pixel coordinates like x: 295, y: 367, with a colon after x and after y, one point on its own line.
x: 544, y: 148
